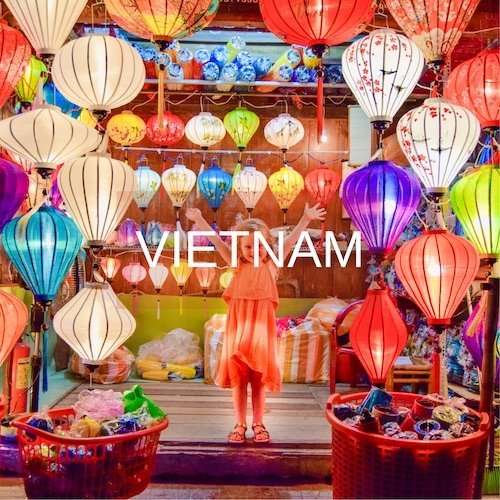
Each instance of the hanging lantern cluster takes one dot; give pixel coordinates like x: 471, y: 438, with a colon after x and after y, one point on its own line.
x: 126, y: 128
x: 170, y: 132
x: 178, y: 182
x: 286, y: 184
x: 28, y: 85
x: 205, y: 130
x: 14, y: 185
x: 284, y: 131
x: 214, y: 185
x: 250, y: 185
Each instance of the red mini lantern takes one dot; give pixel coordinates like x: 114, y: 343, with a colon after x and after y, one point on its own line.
x: 316, y: 24
x: 475, y: 85
x: 16, y: 52
x: 436, y: 269
x: 378, y: 334
x: 168, y: 135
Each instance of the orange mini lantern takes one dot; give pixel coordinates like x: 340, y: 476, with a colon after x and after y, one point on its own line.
x: 378, y: 334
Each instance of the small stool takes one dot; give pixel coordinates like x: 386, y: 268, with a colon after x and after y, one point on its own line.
x: 411, y: 371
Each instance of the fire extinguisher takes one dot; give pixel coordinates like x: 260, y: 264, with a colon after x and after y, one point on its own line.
x: 19, y: 370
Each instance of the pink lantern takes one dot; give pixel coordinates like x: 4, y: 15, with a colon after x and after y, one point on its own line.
x: 134, y: 273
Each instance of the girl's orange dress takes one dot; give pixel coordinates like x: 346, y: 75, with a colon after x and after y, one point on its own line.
x: 250, y: 339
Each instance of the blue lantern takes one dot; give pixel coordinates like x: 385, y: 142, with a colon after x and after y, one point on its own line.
x: 42, y: 247
x: 381, y: 198
x: 214, y: 185
x: 52, y: 96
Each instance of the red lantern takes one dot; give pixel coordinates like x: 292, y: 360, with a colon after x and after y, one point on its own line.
x: 436, y: 269
x: 322, y: 184
x: 13, y: 319
x: 316, y: 24
x: 475, y: 85
x: 16, y: 52
x: 168, y: 135
x: 378, y: 334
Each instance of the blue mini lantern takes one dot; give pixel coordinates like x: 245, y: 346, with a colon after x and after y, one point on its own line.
x: 214, y: 185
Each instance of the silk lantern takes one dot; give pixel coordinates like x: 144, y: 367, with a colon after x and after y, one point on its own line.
x: 47, y: 137
x: 16, y: 53
x: 286, y: 184
x: 147, y: 183
x: 126, y: 128
x: 13, y: 320
x: 158, y: 275
x: 110, y: 266
x: 241, y: 124
x: 475, y: 85
x: 169, y: 134
x: 205, y: 277
x: 205, y: 130
x: 382, y: 70
x: 435, y: 28
x: 178, y: 182
x: 317, y: 25
x: 52, y: 96
x: 225, y: 278
x: 97, y: 190
x: 94, y: 323
x: 436, y: 269
x: 474, y: 199
x: 250, y: 185
x: 181, y: 273
x: 284, y: 131
x: 381, y: 198
x: 378, y: 334
x: 14, y: 185
x: 46, y: 23
x: 98, y: 72
x: 27, y: 87
x: 438, y: 138
x: 134, y: 273
x: 214, y: 185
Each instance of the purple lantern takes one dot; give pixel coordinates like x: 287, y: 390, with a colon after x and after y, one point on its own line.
x: 13, y: 189
x: 473, y: 336
x: 56, y: 198
x: 381, y: 198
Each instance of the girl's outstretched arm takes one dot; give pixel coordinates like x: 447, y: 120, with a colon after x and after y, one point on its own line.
x: 310, y: 214
x: 224, y: 250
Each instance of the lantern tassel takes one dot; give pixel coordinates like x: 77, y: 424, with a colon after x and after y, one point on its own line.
x: 157, y: 306
x: 134, y: 304
x: 180, y: 304
x: 161, y: 97
x: 320, y: 104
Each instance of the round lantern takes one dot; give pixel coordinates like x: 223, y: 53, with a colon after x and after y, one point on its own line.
x: 474, y: 199
x: 16, y: 52
x: 250, y: 185
x: 46, y: 23
x: 181, y: 273
x: 13, y: 320
x: 158, y: 275
x: 42, y: 246
x: 284, y: 131
x: 134, y: 273
x: 162, y: 21
x: 475, y: 85
x: 438, y: 138
x: 378, y: 334
x: 168, y: 135
x: 381, y: 198
x: 27, y: 86
x: 97, y: 190
x: 382, y: 70
x: 14, y: 185
x: 94, y: 323
x: 205, y: 277
x: 322, y: 184
x: 214, y: 185
x: 286, y: 184
x: 225, y: 278
x: 147, y: 183
x: 241, y: 124
x: 435, y: 29
x: 46, y: 137
x: 110, y: 267
x: 436, y: 269
x: 52, y: 96
x: 178, y: 182
x: 126, y: 128
x: 98, y: 72
x: 205, y: 130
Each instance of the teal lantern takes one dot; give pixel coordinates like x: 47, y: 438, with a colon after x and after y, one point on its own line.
x: 214, y: 184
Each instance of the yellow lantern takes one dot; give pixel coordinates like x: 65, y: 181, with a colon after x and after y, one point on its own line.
x: 225, y: 278
x: 87, y: 118
x: 126, y: 128
x: 285, y: 186
x: 181, y: 273
x: 28, y: 85
x: 110, y: 266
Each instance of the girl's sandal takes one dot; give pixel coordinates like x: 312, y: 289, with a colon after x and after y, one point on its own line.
x: 237, y: 435
x: 261, y: 434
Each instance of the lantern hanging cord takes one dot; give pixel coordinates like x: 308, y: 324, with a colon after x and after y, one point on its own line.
x: 424, y: 224
x: 145, y: 102
x: 220, y: 103
x: 182, y: 101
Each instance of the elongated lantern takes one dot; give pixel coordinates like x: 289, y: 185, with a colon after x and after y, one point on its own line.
x: 214, y: 185
x: 205, y: 277
x: 181, y: 273
x: 110, y: 267
x: 286, y: 184
x: 13, y: 320
x: 178, y: 182
x: 147, y: 184
x: 250, y: 184
x: 241, y: 124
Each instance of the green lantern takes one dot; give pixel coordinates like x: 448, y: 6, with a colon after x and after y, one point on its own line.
x: 27, y: 86
x: 474, y: 199
x: 241, y: 124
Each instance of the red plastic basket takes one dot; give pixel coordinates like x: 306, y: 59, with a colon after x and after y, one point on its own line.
x: 375, y: 466
x: 56, y: 466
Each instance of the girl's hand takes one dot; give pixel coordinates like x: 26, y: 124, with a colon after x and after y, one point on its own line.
x: 194, y: 214
x: 314, y: 213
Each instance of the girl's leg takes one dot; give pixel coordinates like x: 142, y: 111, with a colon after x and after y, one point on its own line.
x: 258, y: 407
x: 240, y: 394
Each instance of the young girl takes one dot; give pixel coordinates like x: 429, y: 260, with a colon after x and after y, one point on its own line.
x: 250, y: 349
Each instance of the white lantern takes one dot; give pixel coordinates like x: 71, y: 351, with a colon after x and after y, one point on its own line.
x: 94, y: 323
x: 134, y: 273
x: 382, y: 70
x: 437, y: 138
x: 46, y: 23
x: 205, y: 130
x: 147, y: 184
x: 284, y: 131
x: 98, y: 72
x: 178, y: 182
x: 47, y: 137
x: 250, y: 185
x: 97, y: 191
x: 205, y: 277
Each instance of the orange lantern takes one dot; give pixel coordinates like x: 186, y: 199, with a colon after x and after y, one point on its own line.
x: 205, y: 276
x: 13, y: 319
x: 436, y: 269
x: 110, y: 266
x: 378, y: 334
